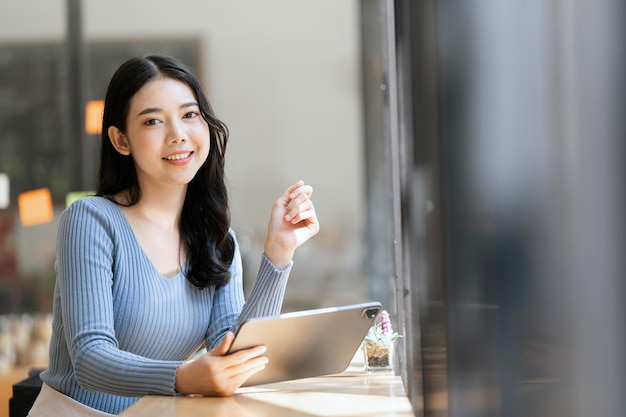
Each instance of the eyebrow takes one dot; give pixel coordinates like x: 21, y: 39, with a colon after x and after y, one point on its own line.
x: 157, y: 109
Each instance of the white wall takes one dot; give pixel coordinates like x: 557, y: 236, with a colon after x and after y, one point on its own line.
x: 32, y: 20
x: 285, y: 77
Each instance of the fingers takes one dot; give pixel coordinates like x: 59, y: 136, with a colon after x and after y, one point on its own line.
x: 240, y: 366
x: 238, y: 356
x: 300, y: 195
x: 247, y: 354
x: 220, y: 375
x: 248, y: 367
x: 245, y: 375
x: 293, y: 188
x: 302, y: 212
x: 246, y: 363
x: 222, y: 348
x: 299, y: 188
x: 299, y: 210
x: 292, y: 222
x: 299, y: 206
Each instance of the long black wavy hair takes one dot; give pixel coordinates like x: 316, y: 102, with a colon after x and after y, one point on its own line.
x: 205, y: 218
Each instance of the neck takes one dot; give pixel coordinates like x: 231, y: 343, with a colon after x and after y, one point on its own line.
x: 162, y: 206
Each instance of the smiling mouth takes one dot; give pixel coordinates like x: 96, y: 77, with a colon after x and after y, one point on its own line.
x: 178, y: 156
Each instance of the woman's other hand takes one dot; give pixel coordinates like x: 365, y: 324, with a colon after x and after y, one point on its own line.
x: 217, y: 374
x: 293, y: 221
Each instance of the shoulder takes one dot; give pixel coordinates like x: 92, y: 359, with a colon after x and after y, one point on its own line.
x: 93, y: 203
x: 233, y: 235
x: 90, y: 209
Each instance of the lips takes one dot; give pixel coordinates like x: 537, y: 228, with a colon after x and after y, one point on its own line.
x: 178, y: 156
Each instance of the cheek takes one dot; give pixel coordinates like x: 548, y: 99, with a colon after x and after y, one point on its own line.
x: 203, y: 144
x: 205, y: 150
x: 204, y: 138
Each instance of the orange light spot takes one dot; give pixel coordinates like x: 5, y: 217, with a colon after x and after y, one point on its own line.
x: 93, y: 116
x: 35, y: 207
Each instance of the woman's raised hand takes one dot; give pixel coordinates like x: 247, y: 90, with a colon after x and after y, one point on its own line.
x: 293, y: 221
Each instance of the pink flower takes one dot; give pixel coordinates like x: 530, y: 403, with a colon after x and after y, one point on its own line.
x: 385, y: 323
x: 382, y: 332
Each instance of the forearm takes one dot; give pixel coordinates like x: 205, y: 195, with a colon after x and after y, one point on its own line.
x: 118, y: 372
x: 266, y: 296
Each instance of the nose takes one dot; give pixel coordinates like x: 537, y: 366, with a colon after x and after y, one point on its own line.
x: 176, y: 133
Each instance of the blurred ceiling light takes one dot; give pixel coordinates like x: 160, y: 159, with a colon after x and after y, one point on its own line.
x: 4, y: 191
x: 35, y: 207
x: 93, y: 116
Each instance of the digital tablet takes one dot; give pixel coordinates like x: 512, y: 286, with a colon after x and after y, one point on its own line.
x: 307, y: 343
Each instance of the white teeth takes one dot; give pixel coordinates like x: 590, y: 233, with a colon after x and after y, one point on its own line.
x: 177, y: 156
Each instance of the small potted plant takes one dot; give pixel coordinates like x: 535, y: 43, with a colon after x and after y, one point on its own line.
x: 378, y: 344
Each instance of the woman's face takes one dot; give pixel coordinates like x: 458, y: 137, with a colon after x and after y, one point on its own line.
x: 165, y: 134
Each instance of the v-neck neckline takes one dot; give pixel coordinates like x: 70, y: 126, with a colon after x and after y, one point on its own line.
x: 138, y: 245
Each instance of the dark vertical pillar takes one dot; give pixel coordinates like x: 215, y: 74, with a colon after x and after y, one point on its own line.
x: 376, y: 132
x: 76, y: 107
x: 424, y: 294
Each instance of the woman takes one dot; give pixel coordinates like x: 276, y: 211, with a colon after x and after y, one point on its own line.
x: 148, y: 270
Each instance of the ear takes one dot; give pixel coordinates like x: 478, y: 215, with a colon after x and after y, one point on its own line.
x: 119, y: 141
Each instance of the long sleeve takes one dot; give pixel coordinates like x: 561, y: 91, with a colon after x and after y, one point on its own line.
x: 265, y: 299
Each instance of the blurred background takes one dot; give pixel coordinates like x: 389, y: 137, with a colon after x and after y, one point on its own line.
x: 285, y: 77
x: 467, y: 158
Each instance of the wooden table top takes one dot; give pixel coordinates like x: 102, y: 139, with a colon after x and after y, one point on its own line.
x: 352, y: 393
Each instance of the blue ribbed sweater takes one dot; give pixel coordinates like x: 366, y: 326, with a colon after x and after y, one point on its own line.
x: 120, y: 329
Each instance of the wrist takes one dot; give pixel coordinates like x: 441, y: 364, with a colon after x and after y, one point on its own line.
x: 181, y: 384
x: 279, y: 258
